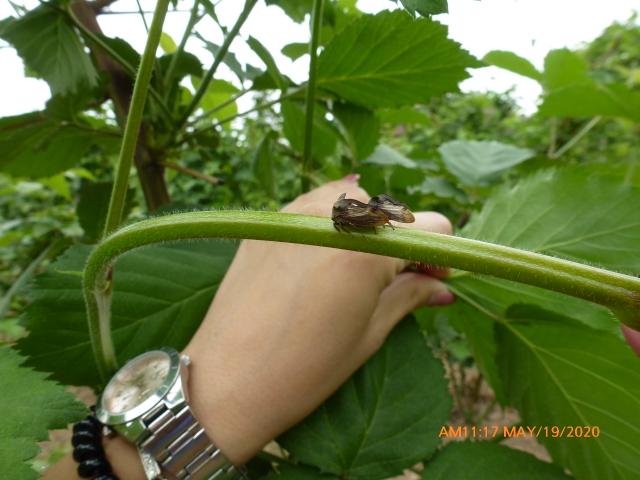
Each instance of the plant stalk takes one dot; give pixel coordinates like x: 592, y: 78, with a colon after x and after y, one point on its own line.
x: 224, y: 48
x: 310, y: 100
x: 576, y: 138
x: 193, y: 20
x: 134, y: 120
x: 620, y: 293
x: 230, y: 118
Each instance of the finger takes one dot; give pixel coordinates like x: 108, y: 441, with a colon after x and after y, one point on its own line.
x: 633, y: 338
x: 404, y: 294
x: 428, y: 222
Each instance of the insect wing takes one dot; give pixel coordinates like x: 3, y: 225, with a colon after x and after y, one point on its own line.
x: 393, y: 209
x: 348, y: 211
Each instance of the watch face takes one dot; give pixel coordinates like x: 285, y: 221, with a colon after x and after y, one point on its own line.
x: 136, y: 381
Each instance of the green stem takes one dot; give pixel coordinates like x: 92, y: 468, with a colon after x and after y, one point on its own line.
x: 620, y: 293
x: 193, y: 20
x: 576, y: 138
x: 134, y: 120
x: 310, y: 101
x: 206, y: 80
x: 22, y: 280
x: 222, y: 105
x: 144, y: 20
x: 257, y: 108
x: 104, y: 46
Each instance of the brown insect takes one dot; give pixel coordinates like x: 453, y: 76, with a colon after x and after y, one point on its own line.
x: 350, y: 213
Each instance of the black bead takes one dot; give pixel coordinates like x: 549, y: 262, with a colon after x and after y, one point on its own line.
x: 86, y: 425
x: 85, y: 437
x: 93, y: 467
x: 85, y: 451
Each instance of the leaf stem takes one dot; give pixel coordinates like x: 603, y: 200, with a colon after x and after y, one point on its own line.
x: 193, y: 20
x: 134, y: 120
x: 222, y: 105
x: 224, y: 48
x: 620, y: 293
x: 117, y: 57
x: 257, y: 108
x: 310, y: 100
x: 576, y: 138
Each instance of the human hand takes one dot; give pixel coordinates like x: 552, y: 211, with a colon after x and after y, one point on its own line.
x: 290, y: 323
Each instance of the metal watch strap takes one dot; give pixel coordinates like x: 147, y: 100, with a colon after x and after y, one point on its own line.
x: 182, y: 448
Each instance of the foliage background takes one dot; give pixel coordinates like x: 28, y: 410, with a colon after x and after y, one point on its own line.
x: 500, y: 175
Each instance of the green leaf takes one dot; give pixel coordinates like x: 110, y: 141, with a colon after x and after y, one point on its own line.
x: 93, y: 203
x: 494, y: 296
x: 580, y: 101
x: 295, y: 9
x: 295, y: 50
x: 361, y: 129
x: 167, y: 44
x: 263, y: 163
x: 32, y: 406
x: 439, y: 187
x: 386, y: 156
x: 161, y: 294
x: 272, y: 69
x: 219, y: 91
x: 559, y: 372
x: 36, y: 146
x: 325, y: 138
x: 288, y: 471
x: 389, y: 60
x: 122, y: 50
x: 514, y: 63
x: 563, y: 68
x: 425, y: 7
x: 488, y: 461
x: 477, y: 163
x: 384, y: 419
x: 404, y: 115
x: 48, y: 44
x: 230, y: 60
x: 569, y: 213
x: 187, y: 64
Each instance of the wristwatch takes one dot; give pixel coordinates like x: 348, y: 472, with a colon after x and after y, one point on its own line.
x: 147, y: 402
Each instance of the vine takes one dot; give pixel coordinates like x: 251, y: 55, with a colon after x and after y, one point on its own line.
x: 618, y: 292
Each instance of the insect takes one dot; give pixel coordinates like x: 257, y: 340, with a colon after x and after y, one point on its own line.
x: 350, y: 213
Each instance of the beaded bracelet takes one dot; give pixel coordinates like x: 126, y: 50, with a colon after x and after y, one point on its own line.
x: 88, y: 450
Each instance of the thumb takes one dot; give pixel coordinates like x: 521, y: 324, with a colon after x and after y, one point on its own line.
x: 404, y: 294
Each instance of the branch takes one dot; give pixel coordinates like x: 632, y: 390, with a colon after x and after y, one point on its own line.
x: 576, y: 138
x: 193, y: 20
x: 257, y: 108
x: 192, y: 172
x: 316, y: 23
x: 206, y: 80
x: 620, y: 293
x: 134, y: 120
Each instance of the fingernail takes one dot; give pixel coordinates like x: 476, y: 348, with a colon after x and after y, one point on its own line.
x: 352, y: 178
x: 442, y: 298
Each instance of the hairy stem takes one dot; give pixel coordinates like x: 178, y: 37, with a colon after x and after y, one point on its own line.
x: 224, y: 48
x: 310, y: 100
x: 620, y: 293
x: 134, y: 120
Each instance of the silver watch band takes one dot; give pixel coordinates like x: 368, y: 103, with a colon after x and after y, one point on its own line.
x: 181, y: 447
